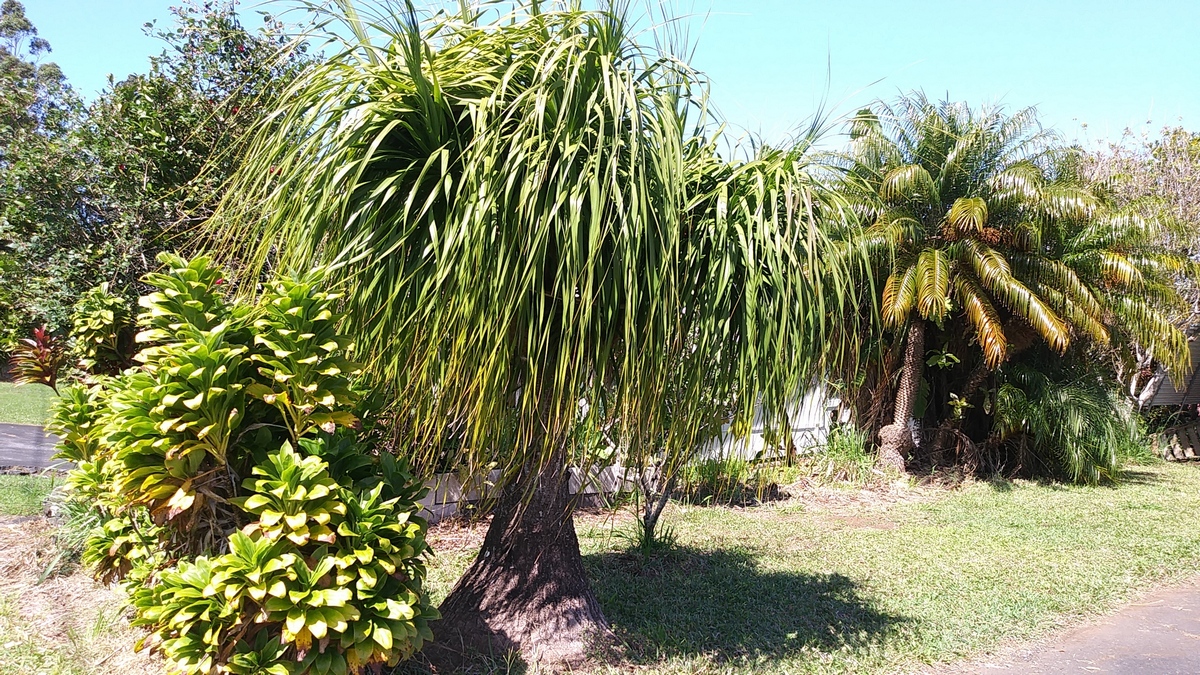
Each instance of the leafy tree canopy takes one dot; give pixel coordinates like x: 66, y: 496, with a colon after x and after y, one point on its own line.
x: 90, y: 194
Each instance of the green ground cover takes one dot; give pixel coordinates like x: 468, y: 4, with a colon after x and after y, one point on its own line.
x: 28, y: 404
x: 800, y: 588
x: 23, y: 495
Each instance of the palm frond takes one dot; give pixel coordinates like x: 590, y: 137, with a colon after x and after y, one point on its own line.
x: 1154, y: 330
x: 899, y: 296
x: 968, y: 214
x: 910, y: 183
x: 982, y: 316
x: 933, y: 280
x: 1019, y: 183
x: 1053, y: 273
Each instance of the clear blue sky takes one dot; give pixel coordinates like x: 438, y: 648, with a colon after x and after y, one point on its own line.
x: 1107, y: 63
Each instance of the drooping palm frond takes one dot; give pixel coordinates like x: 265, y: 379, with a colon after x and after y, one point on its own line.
x: 1066, y: 202
x: 933, y: 279
x: 984, y: 319
x: 900, y: 294
x: 1017, y: 185
x: 968, y: 214
x: 1047, y: 272
x: 1023, y: 302
x: 909, y: 183
x: 528, y: 213
x: 1154, y: 331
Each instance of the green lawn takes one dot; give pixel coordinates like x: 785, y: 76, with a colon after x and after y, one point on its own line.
x: 795, y: 589
x: 23, y: 495
x: 27, y: 404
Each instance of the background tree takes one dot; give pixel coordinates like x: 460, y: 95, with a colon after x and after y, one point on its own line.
x: 167, y: 141
x: 91, y: 195
x: 528, y: 215
x: 990, y: 242
x: 40, y: 173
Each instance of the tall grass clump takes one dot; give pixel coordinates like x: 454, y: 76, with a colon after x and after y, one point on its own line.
x: 846, y: 457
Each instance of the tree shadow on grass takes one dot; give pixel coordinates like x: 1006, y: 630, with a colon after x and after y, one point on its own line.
x: 1126, y: 477
x: 691, y: 602
x: 1130, y: 476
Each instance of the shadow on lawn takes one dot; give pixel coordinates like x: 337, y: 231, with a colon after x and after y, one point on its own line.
x: 1125, y: 478
x: 690, y: 602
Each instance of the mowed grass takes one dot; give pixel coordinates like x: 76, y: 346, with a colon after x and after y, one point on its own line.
x: 796, y: 588
x: 27, y: 404
x: 24, y: 495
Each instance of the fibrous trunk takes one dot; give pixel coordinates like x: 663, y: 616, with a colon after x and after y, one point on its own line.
x: 527, y: 590
x: 895, y: 439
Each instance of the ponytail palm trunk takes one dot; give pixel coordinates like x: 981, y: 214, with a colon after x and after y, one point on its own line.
x: 534, y: 234
x: 527, y: 589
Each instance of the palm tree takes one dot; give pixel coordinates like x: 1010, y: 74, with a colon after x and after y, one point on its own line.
x: 1117, y: 253
x: 970, y: 216
x: 526, y: 214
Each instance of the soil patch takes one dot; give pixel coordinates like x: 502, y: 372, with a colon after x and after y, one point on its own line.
x: 71, y: 613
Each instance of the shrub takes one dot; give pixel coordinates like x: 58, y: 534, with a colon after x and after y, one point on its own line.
x: 38, y: 360
x: 102, y: 329
x: 1064, y: 422
x: 323, y: 563
x: 728, y: 481
x: 255, y: 532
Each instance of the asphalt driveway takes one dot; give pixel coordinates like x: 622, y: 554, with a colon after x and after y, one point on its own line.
x: 1157, y: 635
x: 26, y: 445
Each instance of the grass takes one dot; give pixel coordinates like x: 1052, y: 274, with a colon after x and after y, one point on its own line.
x: 802, y: 587
x: 23, y: 495
x: 25, y: 652
x: 28, y: 404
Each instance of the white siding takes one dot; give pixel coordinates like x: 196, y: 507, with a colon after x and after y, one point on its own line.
x: 1188, y: 392
x: 810, y: 419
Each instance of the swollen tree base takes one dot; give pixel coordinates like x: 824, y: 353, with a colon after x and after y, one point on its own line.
x: 527, y: 590
x: 895, y: 441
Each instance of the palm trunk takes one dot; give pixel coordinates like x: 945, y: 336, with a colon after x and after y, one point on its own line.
x: 895, y: 439
x: 527, y: 590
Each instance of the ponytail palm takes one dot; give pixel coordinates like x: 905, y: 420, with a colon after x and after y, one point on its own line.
x: 526, y: 216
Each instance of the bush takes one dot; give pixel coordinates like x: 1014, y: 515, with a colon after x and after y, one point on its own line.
x: 102, y: 329
x: 39, y: 359
x: 1052, y: 420
x: 846, y: 457
x: 253, y: 529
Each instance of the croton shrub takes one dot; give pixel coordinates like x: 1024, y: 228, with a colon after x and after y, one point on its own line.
x: 255, y: 531
x: 101, y: 329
